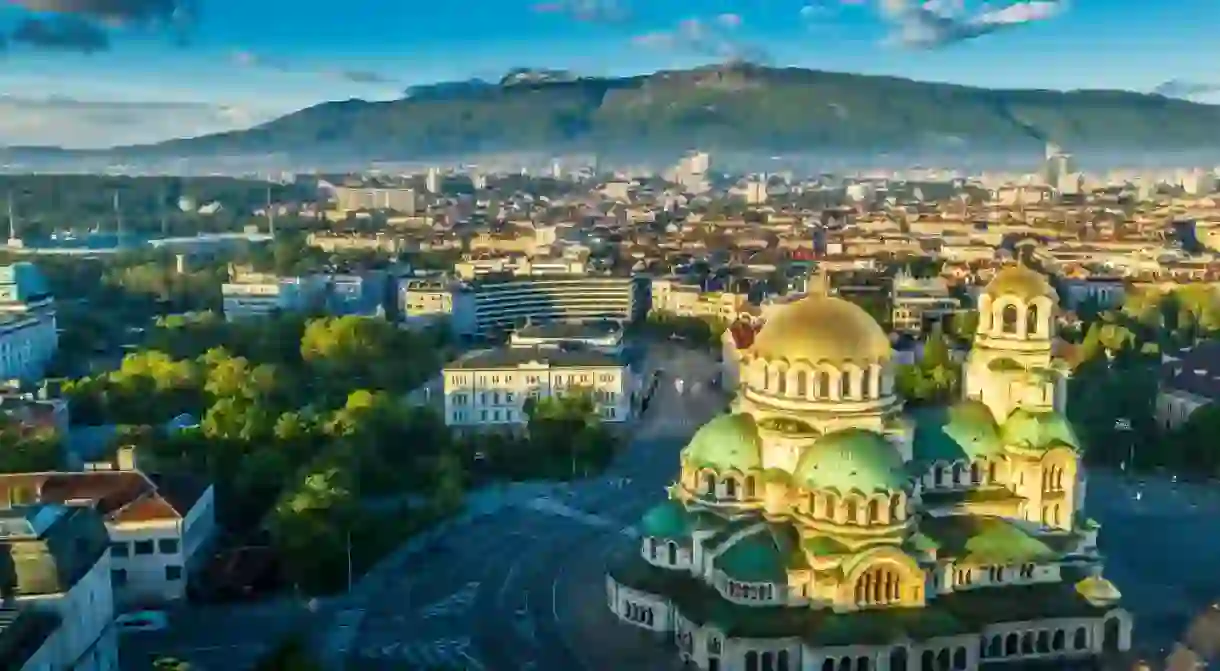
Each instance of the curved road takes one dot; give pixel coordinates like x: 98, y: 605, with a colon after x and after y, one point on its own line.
x: 496, y: 594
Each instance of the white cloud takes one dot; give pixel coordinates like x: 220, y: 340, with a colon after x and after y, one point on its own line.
x: 83, y: 124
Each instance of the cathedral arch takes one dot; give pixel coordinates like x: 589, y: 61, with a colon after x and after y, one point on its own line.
x: 957, y: 473
x: 751, y: 487
x: 709, y: 483
x: 824, y: 377
x: 779, y: 376
x: 976, y: 473
x: 1010, y: 319
x: 897, y: 508
x: 800, y: 382
x: 872, y: 514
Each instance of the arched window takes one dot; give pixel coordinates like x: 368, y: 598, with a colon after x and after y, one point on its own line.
x: 1055, y: 515
x: 673, y: 554
x: 709, y: 484
x: 751, y: 661
x: 927, y: 661
x: 1032, y: 324
x: 730, y: 488
x: 874, y: 512
x: 976, y: 473
x: 823, y: 390
x: 1027, y: 643
x: 845, y: 385
x: 942, y: 659
x: 1010, y: 644
x: 828, y: 665
x: 781, y: 660
x: 879, y: 586
x: 896, y: 511
x: 652, y: 548
x: 1081, y: 640
x: 781, y: 382
x: 957, y: 474
x: 751, y: 487
x: 802, y: 384
x: 853, y: 512
x: 959, y: 659
x: 938, y: 475
x: 832, y: 505
x: 991, y: 473
x: 1057, y: 640
x: 866, y: 384
x: 862, y: 664
x: 1043, y: 643
x: 1008, y: 319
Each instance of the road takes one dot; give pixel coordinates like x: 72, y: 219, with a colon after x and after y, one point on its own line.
x: 497, y: 594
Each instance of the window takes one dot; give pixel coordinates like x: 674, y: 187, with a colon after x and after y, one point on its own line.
x: 120, y: 549
x: 118, y: 577
x: 173, y: 573
x: 144, y: 547
x: 168, y: 546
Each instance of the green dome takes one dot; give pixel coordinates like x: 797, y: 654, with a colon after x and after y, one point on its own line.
x: 852, y: 459
x: 668, y: 520
x: 1038, y: 430
x: 727, y: 442
x: 965, y: 431
x: 762, y: 556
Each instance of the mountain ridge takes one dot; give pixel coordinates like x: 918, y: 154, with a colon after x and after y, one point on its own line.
x: 729, y: 107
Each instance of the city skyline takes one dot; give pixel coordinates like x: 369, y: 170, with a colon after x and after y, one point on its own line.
x: 236, y: 65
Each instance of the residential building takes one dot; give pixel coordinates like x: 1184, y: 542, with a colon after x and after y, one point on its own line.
x: 57, y: 612
x: 28, y: 333
x: 489, y: 388
x: 1190, y: 379
x: 253, y: 294
x: 425, y: 298
x: 362, y: 294
x: 672, y: 295
x: 159, y: 525
x: 920, y: 303
x: 348, y: 199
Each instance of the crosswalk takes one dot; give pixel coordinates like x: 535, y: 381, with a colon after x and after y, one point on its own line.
x: 450, y: 653
x: 455, y: 604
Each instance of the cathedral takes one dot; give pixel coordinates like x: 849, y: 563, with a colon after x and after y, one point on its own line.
x: 819, y: 526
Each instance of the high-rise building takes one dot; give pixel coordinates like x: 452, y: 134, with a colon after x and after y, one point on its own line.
x: 433, y: 181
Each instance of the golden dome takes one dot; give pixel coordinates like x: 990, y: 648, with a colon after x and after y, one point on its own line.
x: 822, y: 328
x: 1021, y: 282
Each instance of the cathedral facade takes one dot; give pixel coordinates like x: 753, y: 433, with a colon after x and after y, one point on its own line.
x: 819, y: 526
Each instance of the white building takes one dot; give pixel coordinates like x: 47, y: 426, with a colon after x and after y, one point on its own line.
x: 58, y: 613
x: 159, y: 526
x: 489, y: 388
x: 1190, y: 379
x: 252, y: 294
x: 28, y: 334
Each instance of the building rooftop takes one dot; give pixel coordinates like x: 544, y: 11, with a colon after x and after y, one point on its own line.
x: 49, y: 547
x: 119, y: 496
x: 559, y: 357
x: 570, y: 330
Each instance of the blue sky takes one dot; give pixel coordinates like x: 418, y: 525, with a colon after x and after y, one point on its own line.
x: 296, y: 51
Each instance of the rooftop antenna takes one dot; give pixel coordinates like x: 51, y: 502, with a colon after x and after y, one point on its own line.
x: 164, y: 221
x: 270, y: 214
x: 118, y: 216
x: 12, y: 219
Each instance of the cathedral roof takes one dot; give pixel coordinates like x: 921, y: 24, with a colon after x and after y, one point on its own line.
x: 852, y: 459
x: 725, y: 443
x: 1021, y: 282
x: 822, y: 328
x: 965, y: 431
x: 1039, y: 430
x: 763, y: 556
x: 669, y: 520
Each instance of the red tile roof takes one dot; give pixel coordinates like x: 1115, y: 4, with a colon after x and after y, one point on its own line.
x: 120, y: 496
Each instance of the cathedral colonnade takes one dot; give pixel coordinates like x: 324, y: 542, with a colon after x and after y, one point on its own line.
x: 708, y: 649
